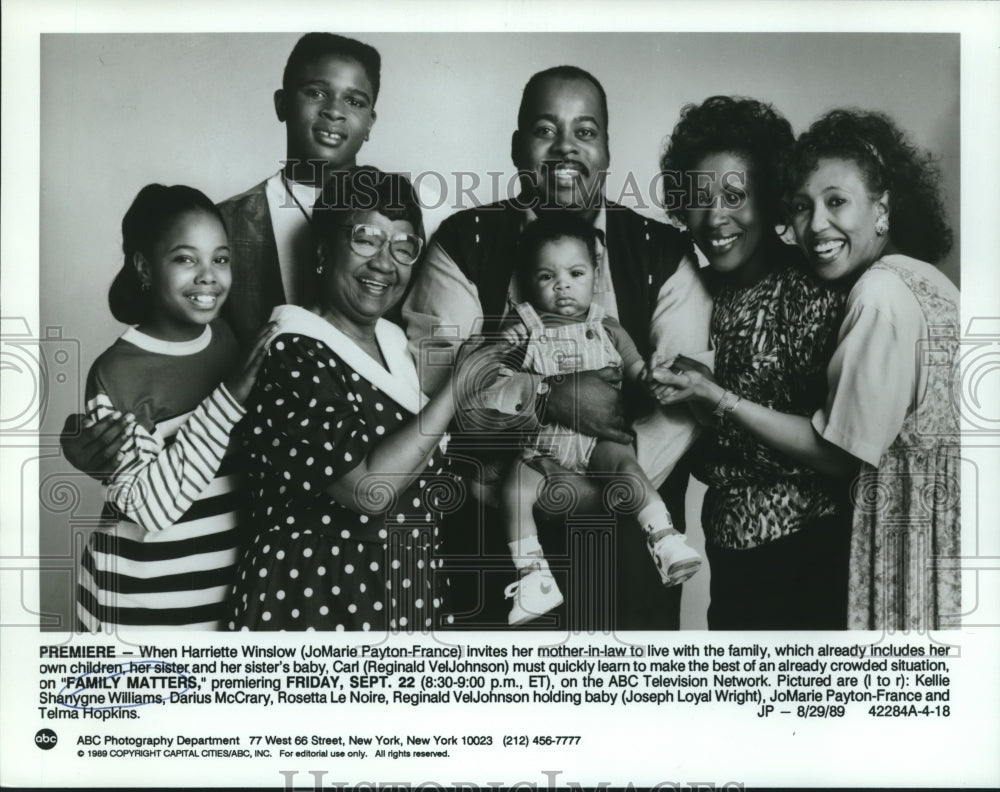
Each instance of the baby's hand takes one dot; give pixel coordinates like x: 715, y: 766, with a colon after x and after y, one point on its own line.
x: 516, y: 334
x: 240, y: 382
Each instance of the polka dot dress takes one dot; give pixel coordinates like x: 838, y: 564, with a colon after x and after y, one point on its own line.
x: 313, y: 564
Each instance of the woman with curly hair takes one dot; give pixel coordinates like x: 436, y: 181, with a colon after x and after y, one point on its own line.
x: 867, y: 214
x: 776, y: 531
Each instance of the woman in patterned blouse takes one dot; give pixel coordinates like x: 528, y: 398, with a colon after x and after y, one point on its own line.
x: 867, y: 213
x: 776, y: 531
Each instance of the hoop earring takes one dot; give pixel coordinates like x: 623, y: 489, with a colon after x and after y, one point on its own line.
x: 882, y: 225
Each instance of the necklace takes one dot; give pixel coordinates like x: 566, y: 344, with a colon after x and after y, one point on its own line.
x: 288, y: 189
x: 365, y: 339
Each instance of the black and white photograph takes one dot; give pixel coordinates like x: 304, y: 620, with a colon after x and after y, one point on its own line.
x: 595, y: 380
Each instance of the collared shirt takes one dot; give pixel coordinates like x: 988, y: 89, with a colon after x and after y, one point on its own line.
x: 291, y: 213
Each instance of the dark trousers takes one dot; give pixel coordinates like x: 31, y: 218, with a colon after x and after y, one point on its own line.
x: 600, y: 562
x: 798, y: 582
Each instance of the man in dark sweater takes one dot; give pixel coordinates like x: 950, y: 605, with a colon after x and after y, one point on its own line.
x: 647, y: 279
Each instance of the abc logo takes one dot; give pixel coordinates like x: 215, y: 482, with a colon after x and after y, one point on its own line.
x: 46, y: 739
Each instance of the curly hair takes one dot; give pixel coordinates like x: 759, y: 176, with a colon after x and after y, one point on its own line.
x: 364, y: 188
x: 546, y: 229
x: 737, y: 125
x: 887, y: 160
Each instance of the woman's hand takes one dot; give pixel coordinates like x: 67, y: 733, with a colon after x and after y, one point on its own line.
x: 516, y: 334
x: 241, y: 382
x: 684, y: 380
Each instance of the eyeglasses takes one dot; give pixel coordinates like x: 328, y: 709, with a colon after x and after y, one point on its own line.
x: 368, y: 241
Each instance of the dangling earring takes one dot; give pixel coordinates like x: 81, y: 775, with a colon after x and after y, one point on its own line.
x: 319, y: 269
x: 882, y: 225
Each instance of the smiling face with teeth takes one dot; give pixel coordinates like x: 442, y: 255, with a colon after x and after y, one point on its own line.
x: 327, y: 113
x: 563, y: 145
x: 188, y: 274
x: 834, y: 217
x: 357, y: 291
x: 727, y: 222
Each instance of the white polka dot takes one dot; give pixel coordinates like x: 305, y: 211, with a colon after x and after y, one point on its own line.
x: 279, y: 345
x: 280, y: 595
x: 325, y: 519
x: 406, y: 582
x: 419, y: 603
x: 380, y: 430
x: 335, y: 590
x: 290, y: 520
x: 348, y: 569
x: 335, y: 550
x: 266, y: 616
x: 366, y: 626
x: 321, y: 571
x: 340, y: 628
x: 323, y: 610
x: 347, y: 456
x: 416, y: 532
x: 377, y: 606
x: 345, y: 534
x: 363, y: 588
x: 363, y: 519
x: 420, y: 563
x: 403, y: 621
x: 294, y: 573
x: 383, y: 534
x: 295, y: 613
x: 373, y: 566
x: 307, y: 592
x: 355, y: 377
x: 328, y: 470
x: 309, y: 461
x: 263, y: 573
x: 266, y: 549
x: 307, y: 552
x: 379, y: 407
x: 352, y: 608
x: 400, y: 518
x: 306, y: 485
x: 395, y: 563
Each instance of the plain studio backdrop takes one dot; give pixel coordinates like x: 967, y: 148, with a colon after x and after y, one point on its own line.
x: 121, y: 111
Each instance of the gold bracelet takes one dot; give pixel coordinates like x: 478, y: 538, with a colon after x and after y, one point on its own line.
x: 726, y: 404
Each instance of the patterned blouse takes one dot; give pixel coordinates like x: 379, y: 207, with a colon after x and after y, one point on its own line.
x: 772, y: 342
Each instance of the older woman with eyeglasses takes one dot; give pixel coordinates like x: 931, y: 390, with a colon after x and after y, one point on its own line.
x: 345, y: 477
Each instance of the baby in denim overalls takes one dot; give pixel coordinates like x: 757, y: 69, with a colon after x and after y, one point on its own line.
x: 564, y: 331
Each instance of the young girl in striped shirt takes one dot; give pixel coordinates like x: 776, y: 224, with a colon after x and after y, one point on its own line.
x: 167, y: 558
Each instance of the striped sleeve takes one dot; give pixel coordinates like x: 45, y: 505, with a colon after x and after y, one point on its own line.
x: 155, y: 484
